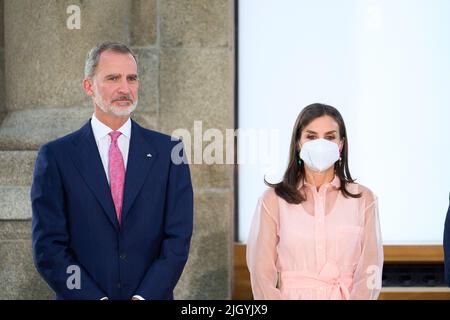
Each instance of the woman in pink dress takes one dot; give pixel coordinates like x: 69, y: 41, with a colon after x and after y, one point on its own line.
x: 316, y: 234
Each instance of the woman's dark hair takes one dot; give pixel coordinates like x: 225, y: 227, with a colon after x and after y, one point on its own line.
x: 295, y: 172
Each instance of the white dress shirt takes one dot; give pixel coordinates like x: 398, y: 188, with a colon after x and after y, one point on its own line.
x: 103, y: 139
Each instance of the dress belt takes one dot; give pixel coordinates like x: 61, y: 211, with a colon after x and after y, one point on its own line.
x: 330, y: 276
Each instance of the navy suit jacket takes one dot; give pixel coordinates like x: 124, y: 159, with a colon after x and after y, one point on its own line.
x: 74, y: 221
x: 447, y: 247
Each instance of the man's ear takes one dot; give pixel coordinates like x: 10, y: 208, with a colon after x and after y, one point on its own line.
x: 88, y: 86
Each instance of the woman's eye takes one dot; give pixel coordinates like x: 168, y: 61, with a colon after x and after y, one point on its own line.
x: 330, y: 138
x: 310, y: 137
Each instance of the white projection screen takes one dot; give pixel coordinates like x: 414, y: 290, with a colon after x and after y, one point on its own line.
x: 386, y: 66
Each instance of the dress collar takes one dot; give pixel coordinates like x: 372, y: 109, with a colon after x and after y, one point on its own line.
x: 336, y: 183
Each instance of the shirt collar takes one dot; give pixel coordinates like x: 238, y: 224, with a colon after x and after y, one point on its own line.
x: 100, y: 129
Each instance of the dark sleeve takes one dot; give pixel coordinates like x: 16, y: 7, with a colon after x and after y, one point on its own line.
x: 447, y: 247
x: 164, y: 273
x: 50, y: 236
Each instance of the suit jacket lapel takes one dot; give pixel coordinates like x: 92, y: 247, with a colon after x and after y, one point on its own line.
x: 87, y: 159
x: 141, y: 157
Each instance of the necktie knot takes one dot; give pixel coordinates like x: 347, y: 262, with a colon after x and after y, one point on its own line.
x: 114, y: 136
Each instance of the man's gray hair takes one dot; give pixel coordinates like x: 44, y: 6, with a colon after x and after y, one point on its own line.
x: 93, y: 56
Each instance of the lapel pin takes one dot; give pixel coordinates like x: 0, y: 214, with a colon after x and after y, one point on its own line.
x: 149, y: 155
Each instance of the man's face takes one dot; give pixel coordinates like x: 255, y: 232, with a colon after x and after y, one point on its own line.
x: 115, y: 84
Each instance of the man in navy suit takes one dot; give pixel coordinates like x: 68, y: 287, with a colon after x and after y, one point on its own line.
x: 447, y: 247
x: 112, y: 202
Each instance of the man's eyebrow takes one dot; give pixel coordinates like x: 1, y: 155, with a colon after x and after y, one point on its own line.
x: 112, y: 75
x: 132, y: 75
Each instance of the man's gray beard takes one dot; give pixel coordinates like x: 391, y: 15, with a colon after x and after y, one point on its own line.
x: 117, y: 111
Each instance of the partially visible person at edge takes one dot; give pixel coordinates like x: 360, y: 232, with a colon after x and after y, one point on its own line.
x: 447, y: 247
x: 316, y: 234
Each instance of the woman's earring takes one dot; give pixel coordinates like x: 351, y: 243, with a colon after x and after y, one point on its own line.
x: 340, y: 161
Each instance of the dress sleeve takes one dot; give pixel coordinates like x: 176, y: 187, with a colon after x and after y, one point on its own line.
x: 367, y: 278
x: 447, y: 247
x: 262, y: 251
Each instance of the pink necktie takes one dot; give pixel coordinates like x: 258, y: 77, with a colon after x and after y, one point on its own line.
x: 116, y: 173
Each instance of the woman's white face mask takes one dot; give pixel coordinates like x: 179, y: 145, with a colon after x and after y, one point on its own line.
x: 319, y: 154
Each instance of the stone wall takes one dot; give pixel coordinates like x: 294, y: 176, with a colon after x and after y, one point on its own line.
x: 186, y: 62
x: 2, y: 64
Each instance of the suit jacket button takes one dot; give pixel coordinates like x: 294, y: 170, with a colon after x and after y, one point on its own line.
x: 123, y: 256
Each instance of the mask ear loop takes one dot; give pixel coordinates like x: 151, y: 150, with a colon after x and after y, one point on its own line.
x: 340, y: 153
x: 299, y: 161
